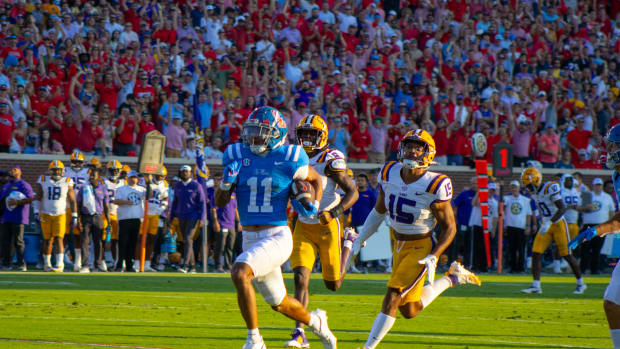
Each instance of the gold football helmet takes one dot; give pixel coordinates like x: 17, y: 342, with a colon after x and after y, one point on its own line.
x: 531, y: 178
x: 423, y: 161
x: 311, y: 133
x: 114, y: 164
x: 77, y: 156
x: 57, y: 169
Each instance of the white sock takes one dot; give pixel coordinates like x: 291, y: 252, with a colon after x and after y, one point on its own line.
x: 78, y: 258
x: 382, y: 325
x: 60, y: 262
x: 536, y: 283
x: 430, y: 292
x: 615, y: 337
x: 300, y: 329
x: 47, y: 260
x: 580, y: 282
x: 253, y: 333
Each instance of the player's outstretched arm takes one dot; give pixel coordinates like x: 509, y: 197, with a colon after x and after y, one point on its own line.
x: 442, y: 211
x: 612, y: 226
x: 350, y: 196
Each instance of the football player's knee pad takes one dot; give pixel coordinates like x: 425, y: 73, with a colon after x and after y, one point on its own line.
x: 272, y: 288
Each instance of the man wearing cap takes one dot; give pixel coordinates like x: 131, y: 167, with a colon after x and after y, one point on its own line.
x: 522, y: 130
x: 7, y: 127
x: 189, y: 207
x: 130, y: 201
x: 577, y: 139
x: 176, y: 138
x: 93, y: 206
x: 601, y: 209
x: 517, y: 219
x: 15, y: 199
x: 549, y: 146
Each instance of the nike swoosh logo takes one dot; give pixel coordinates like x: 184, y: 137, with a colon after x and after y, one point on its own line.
x: 277, y: 163
x: 418, y: 193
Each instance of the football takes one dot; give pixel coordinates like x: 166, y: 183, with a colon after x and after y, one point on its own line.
x: 302, y: 191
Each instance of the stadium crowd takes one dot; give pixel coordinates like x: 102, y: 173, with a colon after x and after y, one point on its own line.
x: 96, y: 75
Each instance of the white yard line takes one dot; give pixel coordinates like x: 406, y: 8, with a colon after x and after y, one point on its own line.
x: 76, y: 343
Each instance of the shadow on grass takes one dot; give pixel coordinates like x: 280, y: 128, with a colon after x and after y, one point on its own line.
x: 221, y: 283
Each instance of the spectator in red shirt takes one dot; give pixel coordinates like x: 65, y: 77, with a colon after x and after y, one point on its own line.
x: 125, y: 131
x: 145, y: 125
x: 360, y: 143
x: 91, y: 135
x: 7, y: 127
x: 577, y: 139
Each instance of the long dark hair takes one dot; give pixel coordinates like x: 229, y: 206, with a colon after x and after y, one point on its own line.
x: 50, y: 141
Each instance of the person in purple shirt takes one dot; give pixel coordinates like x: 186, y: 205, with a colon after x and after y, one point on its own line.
x: 15, y: 198
x: 226, y: 224
x: 91, y: 218
x: 189, y: 207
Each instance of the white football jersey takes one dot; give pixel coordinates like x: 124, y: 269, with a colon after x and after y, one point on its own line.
x: 112, y: 187
x: 409, y: 205
x: 159, y: 202
x: 603, y: 204
x: 54, y: 198
x: 549, y: 193
x: 571, y: 197
x: 80, y: 177
x: 334, y: 159
x: 516, y: 210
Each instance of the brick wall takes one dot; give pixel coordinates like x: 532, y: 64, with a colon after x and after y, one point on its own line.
x: 34, y: 165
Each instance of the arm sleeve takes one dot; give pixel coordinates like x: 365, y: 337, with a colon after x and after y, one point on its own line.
x: 371, y: 224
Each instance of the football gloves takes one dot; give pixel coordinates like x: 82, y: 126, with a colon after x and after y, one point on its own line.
x: 430, y: 262
x: 309, y: 212
x: 229, y: 176
x: 585, y: 235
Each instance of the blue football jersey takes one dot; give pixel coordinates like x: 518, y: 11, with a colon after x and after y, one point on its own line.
x: 264, y: 182
x: 616, y: 178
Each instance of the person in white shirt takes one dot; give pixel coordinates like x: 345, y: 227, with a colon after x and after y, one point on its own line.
x: 602, y: 209
x: 517, y: 218
x: 128, y: 36
x: 346, y: 18
x: 475, y: 221
x: 325, y: 15
x: 130, y: 199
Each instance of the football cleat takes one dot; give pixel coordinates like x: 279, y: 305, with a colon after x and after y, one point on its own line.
x: 47, y: 268
x: 463, y: 275
x: 298, y: 340
x: 58, y: 269
x: 148, y: 269
x: 101, y: 266
x: 580, y: 289
x: 182, y: 270
x: 534, y: 290
x: 254, y: 343
x: 322, y: 330
x: 160, y: 267
x: 84, y: 270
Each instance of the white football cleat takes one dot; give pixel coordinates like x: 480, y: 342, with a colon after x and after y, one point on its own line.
x: 77, y: 267
x: 534, y: 290
x: 102, y: 266
x: 254, y: 343
x: 580, y: 289
x: 322, y: 331
x: 149, y: 269
x: 463, y: 275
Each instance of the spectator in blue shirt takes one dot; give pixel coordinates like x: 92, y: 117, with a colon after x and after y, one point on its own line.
x: 338, y: 137
x: 364, y: 203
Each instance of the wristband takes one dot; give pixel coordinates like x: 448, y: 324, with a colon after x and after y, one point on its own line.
x: 74, y: 214
x: 336, y: 211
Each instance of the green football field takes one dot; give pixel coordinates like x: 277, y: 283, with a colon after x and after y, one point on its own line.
x: 168, y: 310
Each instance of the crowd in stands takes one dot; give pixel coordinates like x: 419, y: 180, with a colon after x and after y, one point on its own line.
x: 97, y: 75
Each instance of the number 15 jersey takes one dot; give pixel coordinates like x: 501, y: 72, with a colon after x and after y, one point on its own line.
x: 409, y: 205
x: 264, y: 182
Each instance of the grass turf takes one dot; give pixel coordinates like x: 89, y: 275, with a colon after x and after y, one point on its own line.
x: 166, y: 310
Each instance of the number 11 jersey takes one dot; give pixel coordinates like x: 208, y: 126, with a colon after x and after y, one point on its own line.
x: 409, y: 205
x: 264, y: 182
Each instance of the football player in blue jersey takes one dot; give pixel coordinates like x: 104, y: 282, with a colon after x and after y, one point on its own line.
x: 260, y: 171
x: 612, y: 293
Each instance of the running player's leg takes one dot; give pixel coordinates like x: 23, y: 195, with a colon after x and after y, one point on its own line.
x: 302, y: 260
x: 560, y: 233
x: 541, y: 242
x: 46, y: 230
x: 330, y: 254
x: 612, y: 306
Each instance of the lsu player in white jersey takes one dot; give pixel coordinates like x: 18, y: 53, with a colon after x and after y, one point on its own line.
x: 79, y: 174
x: 52, y: 193
x: 112, y: 182
x: 571, y: 196
x: 321, y: 234
x: 413, y: 200
x: 158, y: 204
x: 612, y: 226
x: 554, y: 228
